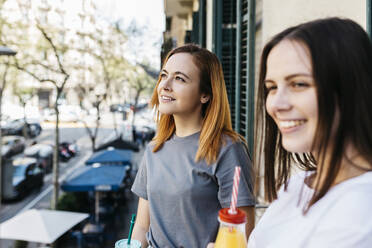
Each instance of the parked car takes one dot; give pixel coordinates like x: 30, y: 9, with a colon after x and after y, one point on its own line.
x: 43, y: 153
x: 12, y: 145
x: 67, y: 113
x: 15, y: 127
x: 121, y: 108
x: 27, y: 176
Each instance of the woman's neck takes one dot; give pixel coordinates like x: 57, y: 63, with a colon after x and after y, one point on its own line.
x: 187, y: 126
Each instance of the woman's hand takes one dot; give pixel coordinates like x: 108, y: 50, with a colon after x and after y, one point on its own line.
x: 210, y: 245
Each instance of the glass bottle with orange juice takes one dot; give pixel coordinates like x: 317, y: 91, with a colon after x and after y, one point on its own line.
x: 231, y: 233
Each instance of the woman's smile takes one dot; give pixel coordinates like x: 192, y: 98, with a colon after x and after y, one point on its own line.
x: 289, y: 126
x: 166, y: 99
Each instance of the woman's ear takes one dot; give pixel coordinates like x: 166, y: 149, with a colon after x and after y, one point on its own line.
x: 204, y: 98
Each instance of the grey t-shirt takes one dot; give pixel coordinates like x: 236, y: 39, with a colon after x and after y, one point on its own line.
x: 185, y: 196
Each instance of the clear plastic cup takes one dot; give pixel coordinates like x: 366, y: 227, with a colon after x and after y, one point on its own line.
x: 231, y: 232
x: 122, y: 243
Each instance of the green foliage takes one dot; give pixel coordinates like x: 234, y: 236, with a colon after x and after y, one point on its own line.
x: 20, y: 244
x: 76, y: 202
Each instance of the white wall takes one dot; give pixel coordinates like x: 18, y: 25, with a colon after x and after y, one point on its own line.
x: 209, y: 25
x: 280, y: 14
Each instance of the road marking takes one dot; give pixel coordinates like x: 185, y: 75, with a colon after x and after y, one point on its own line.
x: 47, y: 190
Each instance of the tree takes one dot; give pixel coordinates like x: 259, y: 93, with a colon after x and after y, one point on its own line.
x: 52, y: 70
x: 96, y: 100
x: 140, y: 81
x: 110, y: 63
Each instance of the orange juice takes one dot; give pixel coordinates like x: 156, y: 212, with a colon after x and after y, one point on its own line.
x: 230, y: 237
x: 231, y: 233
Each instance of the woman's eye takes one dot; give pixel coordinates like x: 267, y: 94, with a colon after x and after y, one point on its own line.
x: 270, y: 87
x: 163, y: 75
x: 180, y: 79
x: 299, y: 85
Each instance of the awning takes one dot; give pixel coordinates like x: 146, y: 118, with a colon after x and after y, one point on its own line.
x: 119, y: 143
x: 96, y: 178
x: 111, y: 156
x: 40, y: 225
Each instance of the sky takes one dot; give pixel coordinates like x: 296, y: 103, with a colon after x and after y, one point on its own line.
x: 149, y: 15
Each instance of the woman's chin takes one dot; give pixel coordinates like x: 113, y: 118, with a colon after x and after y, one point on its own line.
x: 296, y: 147
x: 165, y: 111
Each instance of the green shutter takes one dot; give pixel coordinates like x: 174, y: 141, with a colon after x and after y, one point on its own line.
x: 198, y: 25
x: 202, y: 23
x: 195, y: 28
x: 246, y: 72
x: 224, y: 45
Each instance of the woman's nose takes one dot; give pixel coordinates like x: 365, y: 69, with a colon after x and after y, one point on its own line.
x: 278, y: 101
x: 166, y: 84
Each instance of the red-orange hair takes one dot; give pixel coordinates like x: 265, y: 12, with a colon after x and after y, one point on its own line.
x: 216, y: 112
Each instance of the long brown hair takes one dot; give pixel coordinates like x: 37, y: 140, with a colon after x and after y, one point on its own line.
x: 343, y: 79
x: 216, y: 112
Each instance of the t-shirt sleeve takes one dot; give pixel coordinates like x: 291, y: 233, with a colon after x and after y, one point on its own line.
x: 235, y: 155
x: 139, y: 186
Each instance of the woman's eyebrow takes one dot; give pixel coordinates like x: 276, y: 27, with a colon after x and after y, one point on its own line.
x: 268, y: 81
x: 298, y: 75
x: 289, y: 77
x: 178, y: 72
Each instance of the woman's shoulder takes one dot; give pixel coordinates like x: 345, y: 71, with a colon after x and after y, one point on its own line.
x: 355, y: 192
x: 349, y: 207
x: 231, y: 142
x: 148, y: 150
x: 233, y: 147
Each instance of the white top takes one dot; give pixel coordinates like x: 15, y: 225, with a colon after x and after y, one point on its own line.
x: 342, y: 218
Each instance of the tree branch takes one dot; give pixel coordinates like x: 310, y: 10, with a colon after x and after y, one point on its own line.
x: 34, y: 62
x: 53, y: 47
x: 41, y: 80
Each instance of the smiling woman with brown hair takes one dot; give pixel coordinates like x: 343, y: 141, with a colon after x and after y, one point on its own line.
x: 314, y: 104
x: 187, y: 171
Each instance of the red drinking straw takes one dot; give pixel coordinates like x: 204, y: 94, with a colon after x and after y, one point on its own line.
x: 234, y: 196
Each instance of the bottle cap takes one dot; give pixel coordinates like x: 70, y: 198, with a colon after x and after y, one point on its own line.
x: 238, y: 218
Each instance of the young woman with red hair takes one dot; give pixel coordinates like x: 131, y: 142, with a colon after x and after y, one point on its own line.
x: 186, y: 175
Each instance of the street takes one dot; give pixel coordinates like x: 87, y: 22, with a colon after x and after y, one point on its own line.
x: 69, y: 134
x: 73, y: 132
x: 8, y: 210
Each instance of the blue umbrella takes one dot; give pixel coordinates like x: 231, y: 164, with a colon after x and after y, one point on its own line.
x: 96, y: 178
x: 111, y: 156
